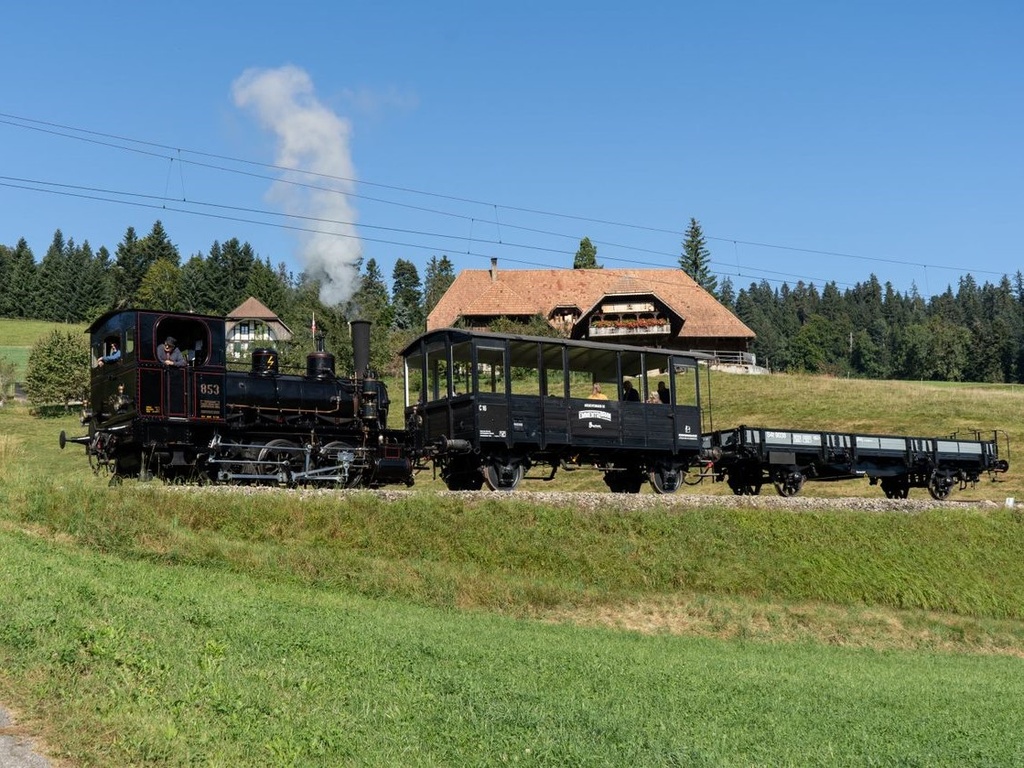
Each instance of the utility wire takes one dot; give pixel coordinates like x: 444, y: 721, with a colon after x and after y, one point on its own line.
x: 156, y: 149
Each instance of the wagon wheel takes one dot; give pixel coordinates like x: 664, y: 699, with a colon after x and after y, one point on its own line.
x: 503, y: 476
x: 896, y: 487
x: 666, y: 478
x: 277, y: 458
x: 940, y: 485
x: 743, y: 483
x: 789, y: 483
x: 330, y: 456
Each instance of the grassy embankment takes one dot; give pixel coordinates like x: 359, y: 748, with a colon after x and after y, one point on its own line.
x: 144, y: 624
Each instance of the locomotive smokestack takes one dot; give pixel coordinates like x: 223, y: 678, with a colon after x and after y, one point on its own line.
x: 360, y: 346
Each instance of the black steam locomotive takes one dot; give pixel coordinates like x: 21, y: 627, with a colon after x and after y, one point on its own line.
x: 199, y: 421
x: 480, y: 408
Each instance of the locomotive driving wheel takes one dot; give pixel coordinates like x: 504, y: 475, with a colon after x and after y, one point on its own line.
x: 278, y: 457
x: 340, y: 454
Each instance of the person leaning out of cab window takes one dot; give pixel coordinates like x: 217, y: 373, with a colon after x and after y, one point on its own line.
x: 112, y: 356
x: 169, y: 354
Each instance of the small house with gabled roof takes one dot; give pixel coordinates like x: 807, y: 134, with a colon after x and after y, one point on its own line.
x: 653, y: 307
x: 251, y: 324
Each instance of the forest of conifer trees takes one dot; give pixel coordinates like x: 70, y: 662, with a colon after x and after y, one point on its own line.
x: 970, y: 333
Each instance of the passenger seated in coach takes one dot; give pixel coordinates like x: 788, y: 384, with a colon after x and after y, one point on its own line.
x: 663, y: 394
x: 628, y: 392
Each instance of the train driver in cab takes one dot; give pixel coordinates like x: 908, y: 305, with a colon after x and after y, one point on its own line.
x: 112, y: 356
x: 169, y: 354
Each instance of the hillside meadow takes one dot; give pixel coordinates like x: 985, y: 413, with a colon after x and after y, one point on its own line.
x: 152, y: 625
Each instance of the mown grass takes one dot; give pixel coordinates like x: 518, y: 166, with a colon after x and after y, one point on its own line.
x: 150, y: 625
x: 181, y: 666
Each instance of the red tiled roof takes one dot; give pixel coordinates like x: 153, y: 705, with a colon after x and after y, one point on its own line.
x: 479, y: 293
x: 251, y: 309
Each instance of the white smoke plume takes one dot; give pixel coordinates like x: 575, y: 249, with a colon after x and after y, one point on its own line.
x: 312, y: 138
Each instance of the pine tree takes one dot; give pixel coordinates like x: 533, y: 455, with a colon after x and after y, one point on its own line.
x: 586, y: 256
x: 130, y: 267
x: 407, y: 296
x: 6, y: 264
x: 21, y: 287
x: 265, y: 284
x: 696, y: 259
x: 157, y: 245
x: 370, y: 302
x: 438, y: 278
x: 197, y: 292
x: 54, y: 282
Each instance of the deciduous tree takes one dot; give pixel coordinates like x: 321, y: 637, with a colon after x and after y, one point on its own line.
x: 58, y: 370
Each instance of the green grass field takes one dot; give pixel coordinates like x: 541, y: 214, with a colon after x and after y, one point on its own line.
x: 152, y: 625
x: 17, y: 337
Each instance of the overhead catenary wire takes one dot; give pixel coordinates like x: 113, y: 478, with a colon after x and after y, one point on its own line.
x: 172, y: 153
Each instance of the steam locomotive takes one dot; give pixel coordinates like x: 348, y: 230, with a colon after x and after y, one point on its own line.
x: 201, y: 422
x: 480, y: 408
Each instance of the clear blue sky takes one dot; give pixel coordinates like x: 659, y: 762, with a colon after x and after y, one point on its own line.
x: 813, y: 141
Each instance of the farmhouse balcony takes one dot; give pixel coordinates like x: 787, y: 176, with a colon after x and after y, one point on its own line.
x: 605, y: 328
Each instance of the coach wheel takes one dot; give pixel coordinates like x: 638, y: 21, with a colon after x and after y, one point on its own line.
x: 789, y: 483
x: 940, y: 485
x: 625, y: 480
x: 896, y: 487
x: 462, y: 476
x: 276, y: 458
x: 666, y: 478
x: 501, y: 476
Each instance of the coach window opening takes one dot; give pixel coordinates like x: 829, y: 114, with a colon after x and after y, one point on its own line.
x: 631, y: 369
x: 462, y: 368
x: 587, y: 366
x: 489, y: 373
x: 438, y: 384
x: 414, y: 380
x: 658, y: 372
x: 554, y: 383
x: 524, y: 361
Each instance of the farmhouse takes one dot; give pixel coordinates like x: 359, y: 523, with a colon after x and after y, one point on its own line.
x: 651, y: 307
x: 251, y: 323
